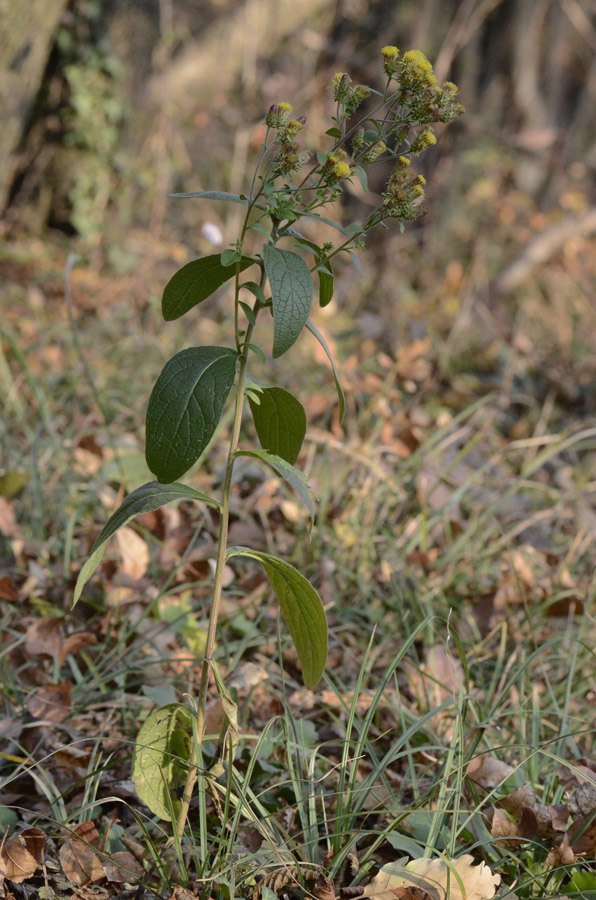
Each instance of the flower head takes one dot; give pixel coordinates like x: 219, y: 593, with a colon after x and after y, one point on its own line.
x: 390, y: 56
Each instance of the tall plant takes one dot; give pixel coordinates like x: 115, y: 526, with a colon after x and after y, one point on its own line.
x: 289, y: 185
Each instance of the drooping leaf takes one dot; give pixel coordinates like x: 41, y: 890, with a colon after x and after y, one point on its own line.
x: 340, y: 391
x: 280, y: 421
x: 162, y: 749
x: 302, y: 610
x: 215, y: 195
x: 196, y: 281
x: 325, y: 288
x: 145, y: 499
x: 295, y: 478
x: 291, y: 294
x: 185, y: 407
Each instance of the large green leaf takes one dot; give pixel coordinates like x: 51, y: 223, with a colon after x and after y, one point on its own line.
x: 302, y: 609
x: 145, y: 499
x: 280, y: 421
x: 340, y: 391
x: 291, y: 295
x: 196, y: 281
x: 162, y: 750
x: 295, y: 478
x: 185, y: 406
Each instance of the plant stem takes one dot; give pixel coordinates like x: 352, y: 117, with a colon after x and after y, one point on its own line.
x: 218, y: 578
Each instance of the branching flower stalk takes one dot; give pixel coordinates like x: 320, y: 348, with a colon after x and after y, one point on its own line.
x: 190, y: 394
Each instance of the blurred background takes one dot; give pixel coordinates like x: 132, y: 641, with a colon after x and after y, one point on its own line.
x: 487, y: 304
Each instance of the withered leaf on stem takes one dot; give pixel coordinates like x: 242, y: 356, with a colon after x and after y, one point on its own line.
x: 22, y: 854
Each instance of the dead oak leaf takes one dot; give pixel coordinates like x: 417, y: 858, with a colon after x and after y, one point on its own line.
x: 456, y: 879
x: 22, y: 854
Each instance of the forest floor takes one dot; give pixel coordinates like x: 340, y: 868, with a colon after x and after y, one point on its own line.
x: 452, y: 547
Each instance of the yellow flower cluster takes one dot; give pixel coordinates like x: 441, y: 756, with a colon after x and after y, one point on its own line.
x: 390, y: 57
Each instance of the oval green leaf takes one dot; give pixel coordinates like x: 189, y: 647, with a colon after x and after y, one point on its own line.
x: 291, y: 295
x: 325, y: 288
x: 185, y: 407
x: 145, y: 499
x: 196, y: 281
x: 162, y: 750
x: 280, y: 421
x: 302, y: 610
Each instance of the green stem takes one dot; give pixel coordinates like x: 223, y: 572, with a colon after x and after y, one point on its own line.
x: 218, y: 577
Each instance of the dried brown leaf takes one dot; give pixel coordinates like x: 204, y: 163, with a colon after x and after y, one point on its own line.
x: 488, y: 772
x: 8, y: 591
x: 123, y: 867
x: 134, y: 552
x: 74, y: 643
x: 50, y: 702
x: 22, y: 854
x: 441, y: 879
x: 323, y: 889
x: 562, y: 855
x: 78, y: 856
x: 43, y: 637
x: 582, y: 801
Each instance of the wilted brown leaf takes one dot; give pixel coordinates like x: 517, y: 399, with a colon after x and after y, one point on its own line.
x: 78, y: 858
x: 51, y: 702
x: 562, y: 855
x: 582, y: 801
x: 8, y: 591
x: 488, y: 772
x: 504, y: 829
x: 323, y: 889
x: 22, y: 854
x: 582, y: 835
x: 437, y: 877
x: 134, y: 552
x: 74, y: 643
x: 43, y: 637
x: 122, y: 867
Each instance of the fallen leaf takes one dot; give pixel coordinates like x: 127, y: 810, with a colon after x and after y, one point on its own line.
x: 78, y: 856
x: 582, y: 801
x: 488, y: 771
x: 43, y: 637
x: 51, y: 702
x: 562, y: 855
x: 455, y: 879
x: 22, y: 854
x: 74, y: 643
x: 123, y: 867
x: 8, y: 591
x: 134, y: 552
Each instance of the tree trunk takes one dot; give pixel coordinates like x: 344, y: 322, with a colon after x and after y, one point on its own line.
x: 26, y: 39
